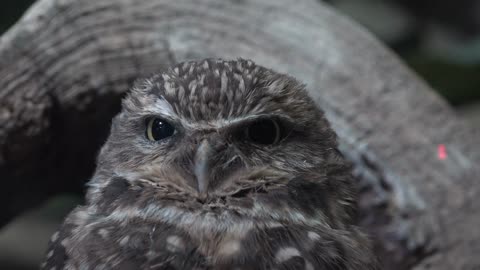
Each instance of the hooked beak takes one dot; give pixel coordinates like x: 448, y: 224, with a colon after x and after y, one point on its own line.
x: 202, y: 167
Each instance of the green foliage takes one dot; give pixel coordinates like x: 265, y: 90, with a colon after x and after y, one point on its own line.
x: 458, y: 83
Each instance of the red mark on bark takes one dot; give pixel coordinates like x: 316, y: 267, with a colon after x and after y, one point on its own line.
x: 442, y: 152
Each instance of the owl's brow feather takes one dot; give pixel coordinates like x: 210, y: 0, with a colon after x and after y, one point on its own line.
x: 164, y: 110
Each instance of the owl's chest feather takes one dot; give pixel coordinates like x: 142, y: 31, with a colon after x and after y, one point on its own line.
x: 209, y: 239
x: 215, y: 236
x: 171, y: 238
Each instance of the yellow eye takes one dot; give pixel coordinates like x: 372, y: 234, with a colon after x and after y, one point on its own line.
x: 158, y: 129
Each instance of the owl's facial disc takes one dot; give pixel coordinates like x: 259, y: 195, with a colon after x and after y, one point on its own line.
x: 214, y: 129
x: 217, y: 161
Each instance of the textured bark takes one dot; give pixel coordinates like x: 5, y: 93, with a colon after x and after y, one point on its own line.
x: 65, y: 65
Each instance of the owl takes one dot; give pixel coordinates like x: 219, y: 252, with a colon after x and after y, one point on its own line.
x: 216, y: 164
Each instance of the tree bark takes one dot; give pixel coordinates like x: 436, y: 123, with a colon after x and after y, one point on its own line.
x: 66, y: 64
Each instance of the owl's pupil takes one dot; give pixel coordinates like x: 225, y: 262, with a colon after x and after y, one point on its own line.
x: 158, y: 129
x: 264, y: 132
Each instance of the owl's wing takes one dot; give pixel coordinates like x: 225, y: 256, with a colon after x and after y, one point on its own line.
x: 85, y: 242
x: 56, y: 256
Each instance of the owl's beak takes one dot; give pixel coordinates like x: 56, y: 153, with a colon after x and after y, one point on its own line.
x: 201, y: 169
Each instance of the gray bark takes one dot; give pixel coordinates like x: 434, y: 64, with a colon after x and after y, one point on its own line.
x: 65, y: 65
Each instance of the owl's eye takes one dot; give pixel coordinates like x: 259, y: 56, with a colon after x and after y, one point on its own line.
x: 158, y: 129
x: 265, y: 131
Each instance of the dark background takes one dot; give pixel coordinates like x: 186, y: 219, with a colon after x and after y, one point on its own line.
x: 440, y: 40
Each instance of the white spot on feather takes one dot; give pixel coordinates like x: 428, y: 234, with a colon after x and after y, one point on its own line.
x: 64, y: 242
x: 103, y: 233
x: 181, y: 93
x: 165, y: 77
x: 169, y: 89
x: 223, y: 82
x: 190, y: 70
x: 241, y: 82
x: 124, y: 240
x: 175, y: 243
x: 308, y: 266
x: 313, y: 236
x: 285, y: 254
x: 239, y: 67
x: 54, y: 237
x: 192, y: 86
x: 201, y: 81
x: 273, y: 224
x: 229, y: 248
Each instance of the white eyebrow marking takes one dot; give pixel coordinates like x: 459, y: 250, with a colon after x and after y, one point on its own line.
x: 222, y: 123
x: 163, y: 107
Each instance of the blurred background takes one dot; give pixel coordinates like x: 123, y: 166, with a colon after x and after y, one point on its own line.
x: 440, y: 40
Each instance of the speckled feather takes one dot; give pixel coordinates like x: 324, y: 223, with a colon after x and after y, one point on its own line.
x: 284, y: 206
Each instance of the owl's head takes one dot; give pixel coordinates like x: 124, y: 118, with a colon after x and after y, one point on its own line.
x: 217, y: 130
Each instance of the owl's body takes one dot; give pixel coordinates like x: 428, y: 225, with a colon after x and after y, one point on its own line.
x: 216, y: 165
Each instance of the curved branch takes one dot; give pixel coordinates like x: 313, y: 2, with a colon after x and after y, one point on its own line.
x: 65, y: 65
